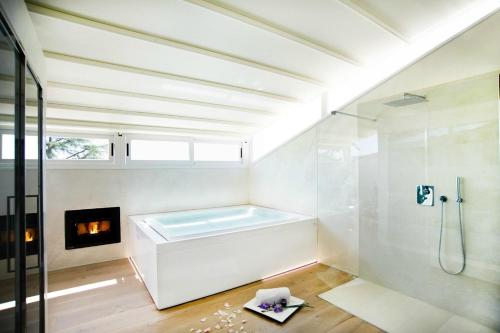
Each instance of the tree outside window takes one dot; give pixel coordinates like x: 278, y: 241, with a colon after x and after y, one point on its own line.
x: 65, y: 148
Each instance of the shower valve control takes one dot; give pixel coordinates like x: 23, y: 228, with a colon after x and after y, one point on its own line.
x: 425, y: 195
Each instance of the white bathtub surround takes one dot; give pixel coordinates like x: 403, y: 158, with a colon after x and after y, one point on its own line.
x: 180, y: 270
x: 395, y: 312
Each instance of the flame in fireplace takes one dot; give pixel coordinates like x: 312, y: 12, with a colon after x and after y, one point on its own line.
x: 29, y: 235
x: 93, y: 228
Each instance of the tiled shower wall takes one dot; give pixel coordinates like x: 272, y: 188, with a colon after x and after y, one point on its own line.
x: 454, y: 134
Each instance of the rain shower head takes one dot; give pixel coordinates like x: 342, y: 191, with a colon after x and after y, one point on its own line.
x: 407, y: 99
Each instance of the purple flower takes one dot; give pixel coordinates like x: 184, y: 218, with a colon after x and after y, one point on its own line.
x: 265, y: 306
x: 278, y: 308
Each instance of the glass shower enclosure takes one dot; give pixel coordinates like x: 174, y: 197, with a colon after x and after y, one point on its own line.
x: 412, y: 248
x: 371, y: 221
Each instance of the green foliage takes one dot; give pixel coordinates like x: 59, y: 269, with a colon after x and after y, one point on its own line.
x: 73, y: 149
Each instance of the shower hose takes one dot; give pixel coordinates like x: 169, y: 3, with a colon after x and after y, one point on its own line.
x: 443, y: 199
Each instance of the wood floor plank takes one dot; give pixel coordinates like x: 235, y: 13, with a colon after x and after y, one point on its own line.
x: 126, y: 307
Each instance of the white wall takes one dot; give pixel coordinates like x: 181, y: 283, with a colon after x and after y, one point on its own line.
x: 136, y: 192
x: 316, y: 174
x: 367, y: 172
x: 286, y: 126
x: 283, y: 182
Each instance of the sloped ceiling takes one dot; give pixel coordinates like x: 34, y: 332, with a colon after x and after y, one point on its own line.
x: 225, y: 68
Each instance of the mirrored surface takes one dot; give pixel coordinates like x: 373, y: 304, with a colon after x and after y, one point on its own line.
x: 7, y: 188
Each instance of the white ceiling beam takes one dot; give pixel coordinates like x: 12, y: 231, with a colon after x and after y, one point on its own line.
x: 261, y: 23
x: 115, y: 111
x: 164, y: 75
x: 54, y: 12
x: 373, y: 18
x: 122, y: 93
x: 154, y: 115
x: 6, y: 121
x: 121, y: 127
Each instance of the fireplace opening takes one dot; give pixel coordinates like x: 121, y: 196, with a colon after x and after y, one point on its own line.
x: 8, y: 237
x: 30, y: 235
x: 92, y: 227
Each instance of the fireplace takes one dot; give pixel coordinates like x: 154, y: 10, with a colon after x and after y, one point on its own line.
x: 7, y: 236
x: 92, y: 227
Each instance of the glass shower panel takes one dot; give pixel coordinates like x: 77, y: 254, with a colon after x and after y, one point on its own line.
x: 338, y: 193
x: 454, y: 133
x: 342, y: 142
x: 7, y: 187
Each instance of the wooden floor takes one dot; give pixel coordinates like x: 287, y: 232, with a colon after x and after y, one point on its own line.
x: 114, y: 300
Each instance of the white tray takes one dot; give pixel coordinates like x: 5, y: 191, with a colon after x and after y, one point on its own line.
x: 280, y: 316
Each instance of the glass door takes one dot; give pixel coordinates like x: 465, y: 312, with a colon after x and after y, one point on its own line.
x: 21, y: 216
x: 7, y: 183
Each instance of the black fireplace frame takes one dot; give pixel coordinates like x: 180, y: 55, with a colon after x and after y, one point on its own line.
x: 73, y: 217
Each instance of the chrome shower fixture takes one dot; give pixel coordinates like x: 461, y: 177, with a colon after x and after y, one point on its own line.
x: 459, y: 201
x: 406, y: 99
x: 334, y: 113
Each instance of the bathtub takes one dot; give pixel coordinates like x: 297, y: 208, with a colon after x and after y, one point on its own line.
x: 183, y: 256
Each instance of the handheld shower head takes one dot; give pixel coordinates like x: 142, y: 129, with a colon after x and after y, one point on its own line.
x: 459, y: 190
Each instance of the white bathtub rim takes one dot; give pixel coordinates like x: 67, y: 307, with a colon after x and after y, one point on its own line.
x: 156, y: 214
x: 160, y: 239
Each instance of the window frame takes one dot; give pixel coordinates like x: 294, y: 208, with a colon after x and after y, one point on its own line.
x: 191, y: 163
x: 84, y: 164
x: 120, y: 160
x: 129, y: 162
x: 242, y: 162
x: 7, y: 162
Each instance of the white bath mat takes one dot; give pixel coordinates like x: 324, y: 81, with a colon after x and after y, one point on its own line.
x: 394, y: 312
